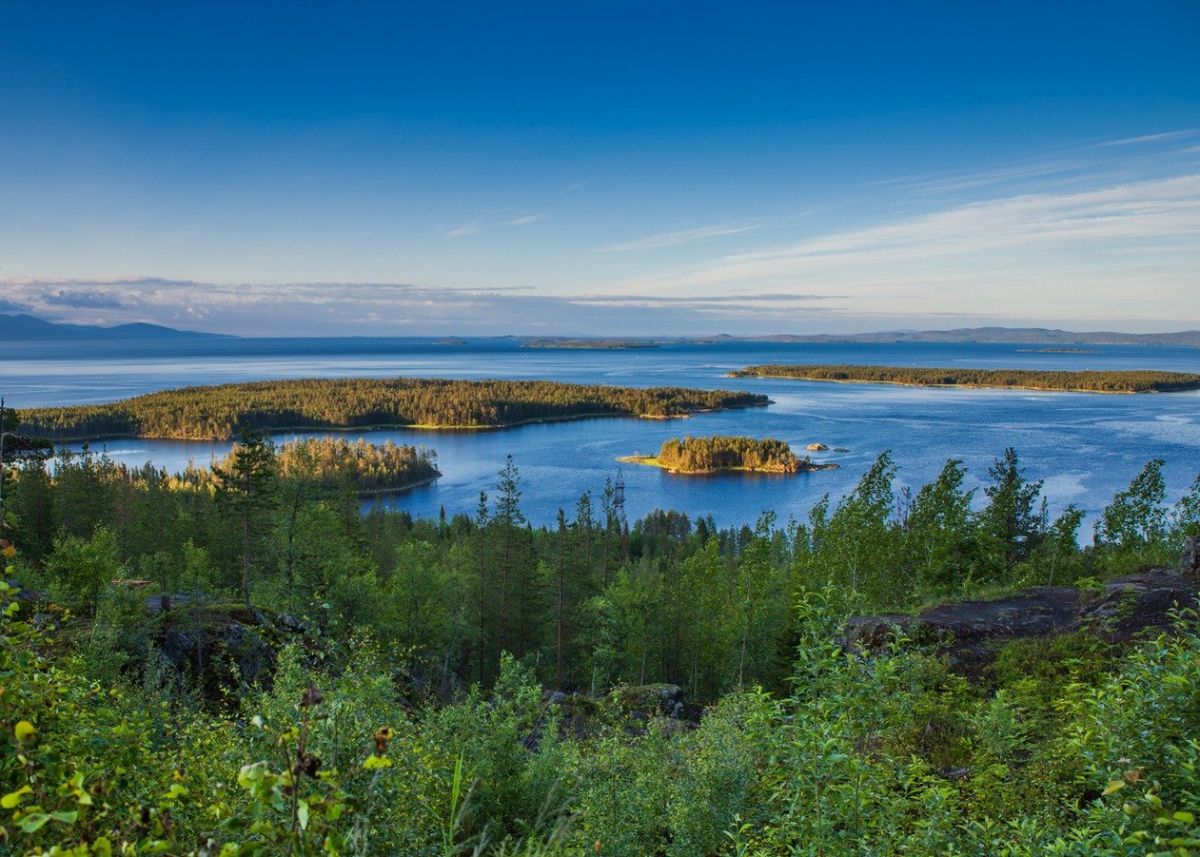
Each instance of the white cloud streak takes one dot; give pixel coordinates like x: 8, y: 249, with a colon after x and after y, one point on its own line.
x: 1036, y: 247
x: 1163, y: 137
x: 674, y: 239
x: 476, y: 226
x: 1108, y: 235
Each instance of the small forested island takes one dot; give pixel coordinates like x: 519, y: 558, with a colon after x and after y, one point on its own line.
x: 1049, y: 350
x: 372, y: 468
x: 726, y: 453
x: 329, y: 463
x: 1116, y: 381
x: 221, y: 412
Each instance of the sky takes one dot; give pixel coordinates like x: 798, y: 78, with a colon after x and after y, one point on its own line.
x: 303, y: 168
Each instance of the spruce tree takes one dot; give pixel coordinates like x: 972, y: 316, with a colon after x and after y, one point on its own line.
x: 246, y: 491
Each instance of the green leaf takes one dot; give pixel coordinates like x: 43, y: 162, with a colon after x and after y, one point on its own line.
x: 1113, y: 787
x: 33, y: 822
x: 302, y: 814
x: 12, y: 799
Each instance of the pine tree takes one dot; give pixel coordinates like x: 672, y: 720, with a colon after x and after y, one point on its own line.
x: 1010, y: 524
x: 246, y: 489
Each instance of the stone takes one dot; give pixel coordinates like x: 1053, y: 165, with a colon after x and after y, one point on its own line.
x: 971, y: 633
x: 1190, y: 562
x: 220, y: 648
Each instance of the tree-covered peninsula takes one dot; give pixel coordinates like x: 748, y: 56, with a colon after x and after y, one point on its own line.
x: 1115, y: 381
x: 221, y: 412
x: 326, y: 463
x: 727, y: 453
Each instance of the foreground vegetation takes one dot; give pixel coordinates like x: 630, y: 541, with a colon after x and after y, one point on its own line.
x: 409, y: 711
x: 1115, y: 381
x: 722, y: 453
x: 221, y: 412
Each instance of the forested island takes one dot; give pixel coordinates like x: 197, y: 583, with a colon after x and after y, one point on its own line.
x: 221, y: 412
x: 325, y: 463
x: 727, y: 454
x: 1114, y: 381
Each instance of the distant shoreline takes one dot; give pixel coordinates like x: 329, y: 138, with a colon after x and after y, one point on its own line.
x: 1124, y: 382
x: 431, y: 427
x: 957, y: 386
x: 399, y: 489
x: 220, y: 412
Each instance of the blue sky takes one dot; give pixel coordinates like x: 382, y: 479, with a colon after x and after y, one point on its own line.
x: 615, y: 168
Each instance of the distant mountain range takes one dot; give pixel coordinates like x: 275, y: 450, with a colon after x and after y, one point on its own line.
x: 27, y: 328
x: 14, y: 328
x: 1007, y: 335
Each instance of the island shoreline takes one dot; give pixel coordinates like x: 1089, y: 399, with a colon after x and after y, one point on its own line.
x: 429, y: 427
x: 1182, y: 387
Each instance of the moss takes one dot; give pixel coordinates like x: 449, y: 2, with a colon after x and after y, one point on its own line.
x: 1038, y: 670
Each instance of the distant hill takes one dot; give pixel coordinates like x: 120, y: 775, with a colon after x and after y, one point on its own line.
x: 586, y: 342
x: 1024, y: 335
x: 26, y: 327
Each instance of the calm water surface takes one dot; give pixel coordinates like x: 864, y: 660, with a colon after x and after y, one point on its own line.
x: 1085, y: 446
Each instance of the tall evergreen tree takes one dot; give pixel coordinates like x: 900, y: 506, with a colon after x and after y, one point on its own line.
x: 517, y: 565
x: 483, y: 588
x: 247, y: 492
x: 1010, y: 525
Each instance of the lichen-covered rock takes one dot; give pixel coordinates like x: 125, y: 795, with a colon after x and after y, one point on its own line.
x: 1190, y: 564
x: 220, y: 648
x: 1135, y: 603
x: 971, y: 633
x: 645, y: 700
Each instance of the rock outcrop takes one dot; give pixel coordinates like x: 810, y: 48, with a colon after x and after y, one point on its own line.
x: 972, y: 632
x: 631, y: 707
x: 1191, y: 557
x: 220, y: 648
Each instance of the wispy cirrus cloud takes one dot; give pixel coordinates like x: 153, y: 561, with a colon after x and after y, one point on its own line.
x: 1043, y: 252
x: 1080, y: 234
x: 475, y: 227
x: 1161, y: 137
x: 674, y: 239
x: 1070, y: 166
x: 759, y: 302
